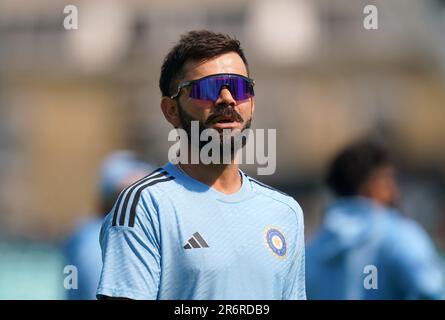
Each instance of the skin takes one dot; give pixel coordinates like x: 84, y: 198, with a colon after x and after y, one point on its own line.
x: 381, y: 186
x: 224, y: 178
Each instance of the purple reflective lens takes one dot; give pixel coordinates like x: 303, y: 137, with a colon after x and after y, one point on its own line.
x: 209, y: 88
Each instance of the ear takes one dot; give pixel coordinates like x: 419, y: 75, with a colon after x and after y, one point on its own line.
x: 170, y: 110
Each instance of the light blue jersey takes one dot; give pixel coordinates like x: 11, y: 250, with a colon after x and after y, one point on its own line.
x: 170, y: 236
x: 358, y: 234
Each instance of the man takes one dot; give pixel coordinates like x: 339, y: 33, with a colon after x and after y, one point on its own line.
x: 82, y: 250
x: 197, y: 231
x: 365, y: 249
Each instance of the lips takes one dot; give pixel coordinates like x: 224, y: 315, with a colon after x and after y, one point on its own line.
x: 226, y: 124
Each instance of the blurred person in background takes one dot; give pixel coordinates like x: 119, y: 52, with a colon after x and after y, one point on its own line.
x: 82, y: 250
x: 364, y: 235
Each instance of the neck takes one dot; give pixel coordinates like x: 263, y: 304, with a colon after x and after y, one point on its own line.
x: 224, y: 178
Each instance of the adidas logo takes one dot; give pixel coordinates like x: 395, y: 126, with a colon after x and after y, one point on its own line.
x: 196, y: 242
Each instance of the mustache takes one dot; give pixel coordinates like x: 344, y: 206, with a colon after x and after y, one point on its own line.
x: 224, y: 111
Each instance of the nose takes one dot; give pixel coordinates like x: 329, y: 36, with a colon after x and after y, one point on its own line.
x: 225, y: 98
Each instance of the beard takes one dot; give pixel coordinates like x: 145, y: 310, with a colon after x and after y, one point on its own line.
x: 232, y: 140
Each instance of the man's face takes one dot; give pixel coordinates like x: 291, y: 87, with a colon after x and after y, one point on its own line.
x: 226, y: 115
x: 382, y: 186
x: 225, y: 112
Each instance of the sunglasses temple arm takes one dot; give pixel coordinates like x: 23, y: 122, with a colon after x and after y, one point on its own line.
x: 182, y: 85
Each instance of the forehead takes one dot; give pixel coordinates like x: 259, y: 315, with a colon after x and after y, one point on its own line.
x: 385, y: 169
x: 229, y: 62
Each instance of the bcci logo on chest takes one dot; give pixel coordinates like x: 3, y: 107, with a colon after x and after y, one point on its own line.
x: 276, y: 242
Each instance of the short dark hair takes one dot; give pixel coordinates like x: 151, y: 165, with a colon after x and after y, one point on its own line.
x: 351, y: 168
x: 195, y: 45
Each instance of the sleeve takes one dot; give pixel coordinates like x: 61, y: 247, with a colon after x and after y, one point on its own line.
x: 417, y: 268
x: 296, y: 283
x: 131, y: 256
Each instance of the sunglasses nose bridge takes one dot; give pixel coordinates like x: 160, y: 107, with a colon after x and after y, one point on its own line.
x: 225, y: 97
x: 224, y: 86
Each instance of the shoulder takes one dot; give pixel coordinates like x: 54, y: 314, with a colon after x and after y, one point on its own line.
x: 143, y: 195
x: 279, y: 197
x: 404, y: 228
x: 158, y: 182
x: 406, y: 237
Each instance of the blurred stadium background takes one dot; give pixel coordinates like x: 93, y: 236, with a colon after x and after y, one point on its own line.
x: 68, y: 98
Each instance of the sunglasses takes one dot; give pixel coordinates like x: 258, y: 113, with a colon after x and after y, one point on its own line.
x: 209, y: 87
